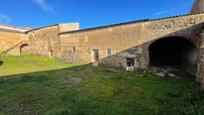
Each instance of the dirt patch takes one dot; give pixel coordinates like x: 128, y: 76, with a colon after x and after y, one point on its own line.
x: 169, y: 72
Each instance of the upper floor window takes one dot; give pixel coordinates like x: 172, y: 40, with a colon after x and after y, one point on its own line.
x: 130, y: 62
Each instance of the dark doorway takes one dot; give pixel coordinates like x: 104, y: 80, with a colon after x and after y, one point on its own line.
x: 95, y: 55
x: 24, y: 49
x: 175, y: 52
x: 1, y: 62
x: 51, y: 53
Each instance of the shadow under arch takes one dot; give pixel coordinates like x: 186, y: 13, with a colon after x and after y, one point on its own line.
x: 177, y: 52
x: 1, y: 63
x: 24, y: 48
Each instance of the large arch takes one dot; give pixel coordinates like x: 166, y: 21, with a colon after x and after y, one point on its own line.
x: 175, y: 52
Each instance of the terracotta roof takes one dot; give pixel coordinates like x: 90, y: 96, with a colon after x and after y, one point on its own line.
x: 15, y: 28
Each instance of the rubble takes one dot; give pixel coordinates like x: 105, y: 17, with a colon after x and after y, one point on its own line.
x: 168, y: 72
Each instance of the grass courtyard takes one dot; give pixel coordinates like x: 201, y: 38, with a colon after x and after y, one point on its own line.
x: 38, y: 85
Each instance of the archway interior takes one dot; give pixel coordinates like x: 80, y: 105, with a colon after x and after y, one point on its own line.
x: 174, y: 52
x: 23, y: 48
x: 1, y: 63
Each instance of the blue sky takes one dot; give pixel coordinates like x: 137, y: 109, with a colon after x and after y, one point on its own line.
x: 89, y: 13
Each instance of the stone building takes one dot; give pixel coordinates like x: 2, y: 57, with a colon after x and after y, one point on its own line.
x: 172, y: 41
x: 11, y: 37
x: 198, y: 6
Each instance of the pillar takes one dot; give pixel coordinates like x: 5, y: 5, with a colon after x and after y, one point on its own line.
x: 200, y: 75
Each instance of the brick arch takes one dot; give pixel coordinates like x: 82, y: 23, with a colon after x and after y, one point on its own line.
x: 1, y: 63
x: 195, y: 40
x: 174, y: 51
x: 24, y: 48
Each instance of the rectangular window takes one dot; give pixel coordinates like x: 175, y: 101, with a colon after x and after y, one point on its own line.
x: 95, y: 55
x: 130, y: 62
x: 108, y: 52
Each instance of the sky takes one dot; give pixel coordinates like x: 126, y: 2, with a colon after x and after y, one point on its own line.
x: 89, y: 13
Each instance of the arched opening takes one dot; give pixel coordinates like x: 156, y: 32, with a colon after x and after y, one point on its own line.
x: 24, y: 49
x: 174, y: 52
x: 1, y: 63
x: 50, y: 53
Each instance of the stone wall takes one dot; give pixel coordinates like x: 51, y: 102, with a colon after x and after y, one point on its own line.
x: 117, y: 39
x: 200, y: 74
x: 46, y: 42
x: 8, y: 40
x: 128, y: 40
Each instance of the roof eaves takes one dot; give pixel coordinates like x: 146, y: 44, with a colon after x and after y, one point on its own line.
x: 124, y: 23
x: 100, y: 27
x: 41, y: 28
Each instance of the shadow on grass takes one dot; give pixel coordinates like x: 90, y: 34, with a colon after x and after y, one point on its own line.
x: 37, y: 72
x: 88, y: 90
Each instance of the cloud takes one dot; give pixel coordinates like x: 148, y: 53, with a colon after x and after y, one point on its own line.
x: 45, y: 6
x: 161, y: 12
x: 5, y: 19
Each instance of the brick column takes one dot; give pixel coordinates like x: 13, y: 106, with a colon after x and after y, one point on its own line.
x: 200, y: 75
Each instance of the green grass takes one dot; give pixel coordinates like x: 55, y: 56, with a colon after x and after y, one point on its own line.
x: 27, y: 64
x: 85, y: 90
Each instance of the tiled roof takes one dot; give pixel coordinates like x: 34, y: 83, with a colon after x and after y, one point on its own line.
x: 14, y: 28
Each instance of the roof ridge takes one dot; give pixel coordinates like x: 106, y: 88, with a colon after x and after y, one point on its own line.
x: 15, y: 27
x: 130, y: 22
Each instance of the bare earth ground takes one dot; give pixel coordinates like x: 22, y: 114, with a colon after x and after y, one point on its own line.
x: 37, y: 85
